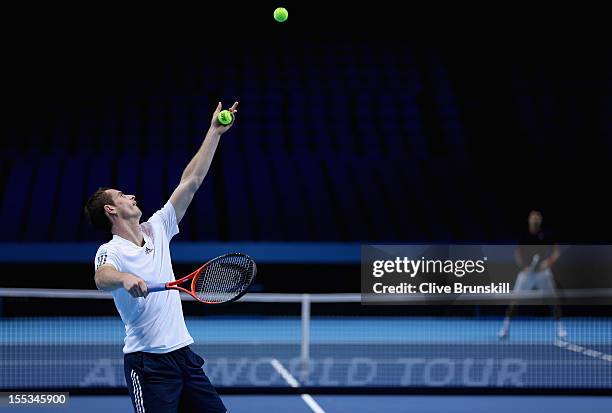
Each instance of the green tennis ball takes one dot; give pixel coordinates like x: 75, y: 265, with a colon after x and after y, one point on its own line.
x: 281, y: 14
x: 225, y: 117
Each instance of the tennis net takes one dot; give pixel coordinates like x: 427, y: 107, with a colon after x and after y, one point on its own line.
x: 74, y: 339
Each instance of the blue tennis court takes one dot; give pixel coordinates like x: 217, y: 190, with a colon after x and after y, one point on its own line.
x: 338, y: 345
x: 83, y: 352
x: 368, y: 404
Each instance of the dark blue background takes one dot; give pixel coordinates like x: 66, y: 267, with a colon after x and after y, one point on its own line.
x: 357, y: 123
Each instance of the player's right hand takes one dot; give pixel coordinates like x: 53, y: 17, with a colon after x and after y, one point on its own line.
x: 135, y: 286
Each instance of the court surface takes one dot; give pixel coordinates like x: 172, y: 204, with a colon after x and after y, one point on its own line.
x: 369, y: 404
x: 366, y: 352
x: 344, y: 351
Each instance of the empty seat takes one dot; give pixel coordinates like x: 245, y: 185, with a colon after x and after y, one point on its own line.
x: 43, y: 198
x: 68, y: 211
x: 16, y: 197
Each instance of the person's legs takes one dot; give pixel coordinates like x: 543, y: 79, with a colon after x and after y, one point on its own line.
x: 523, y: 282
x: 199, y: 395
x: 505, y: 330
x: 154, y: 382
x: 546, y: 282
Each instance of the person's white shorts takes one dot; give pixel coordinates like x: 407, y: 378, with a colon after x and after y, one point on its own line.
x: 540, y: 280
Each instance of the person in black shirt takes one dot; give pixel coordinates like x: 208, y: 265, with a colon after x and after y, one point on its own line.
x: 535, y: 255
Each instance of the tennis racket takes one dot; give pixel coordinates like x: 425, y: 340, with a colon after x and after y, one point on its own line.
x: 221, y: 280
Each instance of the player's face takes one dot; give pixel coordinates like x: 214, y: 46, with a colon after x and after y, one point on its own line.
x: 535, y: 219
x: 125, y: 205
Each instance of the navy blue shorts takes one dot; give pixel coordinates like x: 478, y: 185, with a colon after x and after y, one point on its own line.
x: 170, y: 382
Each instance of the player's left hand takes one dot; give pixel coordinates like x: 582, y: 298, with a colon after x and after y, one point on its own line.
x: 218, y: 127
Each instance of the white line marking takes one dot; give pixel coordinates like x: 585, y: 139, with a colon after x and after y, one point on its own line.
x: 291, y: 381
x: 312, y: 403
x: 585, y: 351
x: 284, y: 373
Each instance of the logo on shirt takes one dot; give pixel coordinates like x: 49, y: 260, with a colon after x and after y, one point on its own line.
x: 101, y: 259
x: 148, y: 250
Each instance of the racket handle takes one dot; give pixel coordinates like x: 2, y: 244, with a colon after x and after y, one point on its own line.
x: 156, y: 287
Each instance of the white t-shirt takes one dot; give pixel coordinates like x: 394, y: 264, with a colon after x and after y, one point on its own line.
x: 154, y: 324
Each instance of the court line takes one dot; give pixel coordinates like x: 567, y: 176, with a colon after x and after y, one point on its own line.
x: 577, y: 348
x: 291, y: 381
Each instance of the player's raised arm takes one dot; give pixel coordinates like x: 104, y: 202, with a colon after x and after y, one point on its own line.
x: 196, y: 170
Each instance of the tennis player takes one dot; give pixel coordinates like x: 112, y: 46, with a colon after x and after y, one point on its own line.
x: 162, y: 373
x: 535, y: 255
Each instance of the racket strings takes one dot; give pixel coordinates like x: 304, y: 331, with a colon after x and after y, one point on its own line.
x: 224, y: 279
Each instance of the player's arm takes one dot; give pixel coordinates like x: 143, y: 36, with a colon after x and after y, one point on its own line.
x: 554, y: 256
x: 196, y: 170
x: 518, y: 257
x: 107, y: 278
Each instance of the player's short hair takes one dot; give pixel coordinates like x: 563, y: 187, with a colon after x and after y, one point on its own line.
x: 94, y: 209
